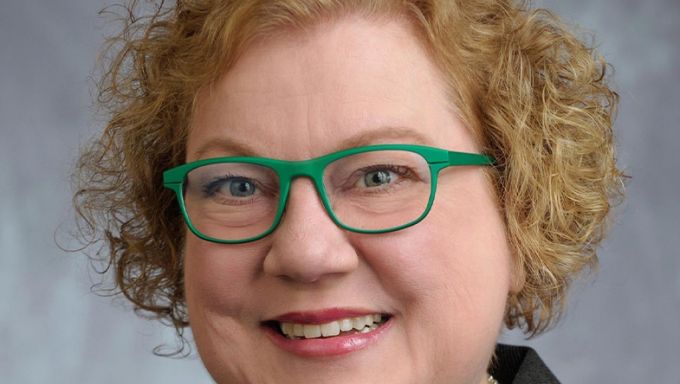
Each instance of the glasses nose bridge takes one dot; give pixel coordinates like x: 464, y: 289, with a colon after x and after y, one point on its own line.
x: 311, y: 169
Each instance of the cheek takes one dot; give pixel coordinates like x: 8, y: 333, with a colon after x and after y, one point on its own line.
x: 219, y: 290
x: 450, y: 271
x: 459, y: 251
x: 217, y: 277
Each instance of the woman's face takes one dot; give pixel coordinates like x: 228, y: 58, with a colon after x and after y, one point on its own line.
x: 443, y: 283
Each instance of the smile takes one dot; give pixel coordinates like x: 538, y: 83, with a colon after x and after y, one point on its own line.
x: 327, y: 333
x: 361, y: 324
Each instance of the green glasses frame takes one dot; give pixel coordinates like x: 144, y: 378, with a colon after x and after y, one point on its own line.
x: 436, y: 158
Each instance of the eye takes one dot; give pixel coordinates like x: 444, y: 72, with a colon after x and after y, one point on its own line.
x: 241, y: 187
x: 377, y: 178
x: 384, y: 176
x: 231, y: 186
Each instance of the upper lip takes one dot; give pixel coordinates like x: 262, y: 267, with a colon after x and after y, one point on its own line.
x: 322, y: 316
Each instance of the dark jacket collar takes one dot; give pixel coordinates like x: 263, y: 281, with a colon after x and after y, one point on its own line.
x: 520, y: 365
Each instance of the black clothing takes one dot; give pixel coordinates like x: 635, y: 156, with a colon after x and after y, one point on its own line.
x: 520, y: 365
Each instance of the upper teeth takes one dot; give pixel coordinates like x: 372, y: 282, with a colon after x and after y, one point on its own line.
x: 309, y: 331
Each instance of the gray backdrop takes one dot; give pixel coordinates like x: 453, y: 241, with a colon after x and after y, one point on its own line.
x: 622, y: 327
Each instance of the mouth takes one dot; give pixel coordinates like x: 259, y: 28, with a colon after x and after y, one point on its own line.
x: 327, y: 333
x: 340, y: 327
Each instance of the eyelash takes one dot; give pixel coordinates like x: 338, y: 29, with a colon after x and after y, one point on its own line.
x: 398, y: 169
x: 210, y: 188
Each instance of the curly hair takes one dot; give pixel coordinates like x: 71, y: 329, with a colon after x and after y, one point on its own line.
x: 535, y: 95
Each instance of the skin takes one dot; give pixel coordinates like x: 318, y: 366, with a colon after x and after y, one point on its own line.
x: 343, y: 83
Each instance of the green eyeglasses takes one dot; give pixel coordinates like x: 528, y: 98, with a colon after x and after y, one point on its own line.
x: 370, y: 189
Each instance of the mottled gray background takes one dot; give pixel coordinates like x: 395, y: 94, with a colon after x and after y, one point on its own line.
x: 621, y: 327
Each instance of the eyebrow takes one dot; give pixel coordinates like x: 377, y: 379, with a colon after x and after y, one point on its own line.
x: 225, y: 145
x: 237, y: 148
x: 382, y: 133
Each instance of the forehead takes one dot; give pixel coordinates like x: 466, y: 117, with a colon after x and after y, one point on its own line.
x: 303, y: 94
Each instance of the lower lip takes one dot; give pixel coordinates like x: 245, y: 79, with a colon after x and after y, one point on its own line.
x: 331, y: 346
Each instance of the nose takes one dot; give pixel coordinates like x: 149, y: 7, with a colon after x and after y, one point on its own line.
x: 307, y: 246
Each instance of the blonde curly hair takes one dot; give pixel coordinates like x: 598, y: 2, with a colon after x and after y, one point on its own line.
x: 535, y: 96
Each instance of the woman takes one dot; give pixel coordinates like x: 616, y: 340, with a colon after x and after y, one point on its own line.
x: 352, y: 191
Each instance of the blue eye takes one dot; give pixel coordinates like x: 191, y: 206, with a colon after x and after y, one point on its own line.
x: 377, y: 178
x: 230, y: 186
x: 241, y: 187
x: 384, y: 175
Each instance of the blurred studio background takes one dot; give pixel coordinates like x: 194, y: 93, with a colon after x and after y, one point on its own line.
x: 621, y: 327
